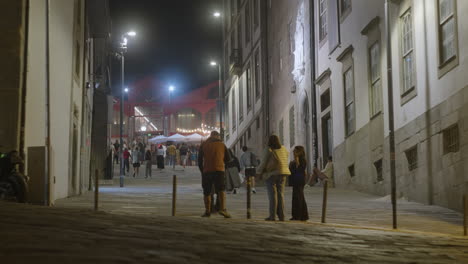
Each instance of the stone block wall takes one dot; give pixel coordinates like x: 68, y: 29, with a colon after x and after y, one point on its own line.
x: 440, y: 178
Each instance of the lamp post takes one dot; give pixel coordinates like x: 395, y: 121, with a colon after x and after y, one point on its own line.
x: 123, y: 47
x: 218, y: 15
x: 220, y: 98
x: 167, y: 119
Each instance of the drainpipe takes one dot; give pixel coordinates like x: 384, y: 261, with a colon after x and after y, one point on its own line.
x: 266, y: 79
x: 391, y: 113
x: 24, y: 85
x: 430, y: 173
x: 312, y: 80
x: 47, y: 106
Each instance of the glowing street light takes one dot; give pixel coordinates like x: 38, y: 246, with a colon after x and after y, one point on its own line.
x: 171, y: 88
x: 121, y: 55
x: 220, y: 96
x: 216, y: 14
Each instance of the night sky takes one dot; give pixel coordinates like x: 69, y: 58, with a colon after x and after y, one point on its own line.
x: 176, y: 39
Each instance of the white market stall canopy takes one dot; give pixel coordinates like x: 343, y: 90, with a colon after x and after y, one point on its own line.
x: 195, y: 137
x: 158, y: 139
x: 176, y: 137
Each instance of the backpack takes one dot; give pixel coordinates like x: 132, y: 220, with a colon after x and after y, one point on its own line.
x: 253, y: 160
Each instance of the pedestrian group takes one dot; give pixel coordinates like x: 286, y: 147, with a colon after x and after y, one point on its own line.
x: 220, y: 170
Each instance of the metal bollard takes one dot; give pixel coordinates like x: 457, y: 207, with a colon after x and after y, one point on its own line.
x: 324, y: 203
x: 465, y: 215
x: 96, y: 189
x: 249, y: 197
x: 174, y: 194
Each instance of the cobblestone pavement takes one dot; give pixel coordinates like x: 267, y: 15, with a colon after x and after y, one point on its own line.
x: 33, y: 234
x: 345, y: 207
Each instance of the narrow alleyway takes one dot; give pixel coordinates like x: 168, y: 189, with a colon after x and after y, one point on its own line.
x: 153, y: 197
x: 134, y: 226
x: 32, y: 234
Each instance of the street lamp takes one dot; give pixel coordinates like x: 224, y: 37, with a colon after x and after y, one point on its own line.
x: 220, y: 98
x: 171, y: 89
x: 123, y: 49
x: 216, y: 14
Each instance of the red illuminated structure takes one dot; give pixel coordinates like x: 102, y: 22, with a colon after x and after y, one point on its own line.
x: 151, y: 98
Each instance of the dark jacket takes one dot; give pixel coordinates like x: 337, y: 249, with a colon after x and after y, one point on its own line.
x: 298, y: 173
x: 234, y: 162
x: 213, y: 155
x: 148, y: 155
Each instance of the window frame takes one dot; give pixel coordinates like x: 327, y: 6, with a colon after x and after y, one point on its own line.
x: 372, y: 109
x: 241, y: 99
x: 349, y: 131
x: 322, y: 17
x: 257, y: 75
x: 248, y: 87
x: 446, y: 136
x: 233, y: 107
x: 344, y: 13
x: 247, y: 23
x: 407, y: 93
x: 292, y: 126
x: 412, y: 166
x: 452, y: 62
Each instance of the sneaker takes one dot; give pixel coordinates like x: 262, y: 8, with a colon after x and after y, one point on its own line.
x: 224, y: 213
x: 234, y: 191
x: 269, y: 219
x: 206, y: 214
x: 254, y: 191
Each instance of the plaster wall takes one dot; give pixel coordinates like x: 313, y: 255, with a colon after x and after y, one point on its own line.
x: 63, y: 93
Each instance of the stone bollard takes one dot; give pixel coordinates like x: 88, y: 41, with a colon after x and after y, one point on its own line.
x: 465, y: 215
x: 174, y: 194
x: 324, y: 202
x: 96, y: 189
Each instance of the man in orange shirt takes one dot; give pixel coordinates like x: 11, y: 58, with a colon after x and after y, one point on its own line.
x: 212, y: 157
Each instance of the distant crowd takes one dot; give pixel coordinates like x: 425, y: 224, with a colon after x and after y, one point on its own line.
x: 162, y: 155
x: 223, y: 172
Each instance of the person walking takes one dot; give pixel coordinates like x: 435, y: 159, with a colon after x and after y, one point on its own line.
x: 136, y: 162
x: 248, y: 163
x: 126, y: 157
x: 274, y: 170
x: 298, y: 168
x: 148, y: 163
x: 171, y: 151
x: 183, y: 154
x: 232, y: 174
x: 116, y: 151
x: 160, y: 157
x: 212, y: 157
x: 325, y: 175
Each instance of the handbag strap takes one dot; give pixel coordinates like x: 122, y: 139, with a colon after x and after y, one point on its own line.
x: 275, y: 156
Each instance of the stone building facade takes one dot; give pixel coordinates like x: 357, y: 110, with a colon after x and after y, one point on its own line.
x: 244, y: 74
x: 340, y: 71
x: 428, y: 47
x: 289, y: 78
x: 59, y: 51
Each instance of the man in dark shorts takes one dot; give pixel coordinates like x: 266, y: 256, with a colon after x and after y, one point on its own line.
x: 248, y: 163
x: 212, y: 157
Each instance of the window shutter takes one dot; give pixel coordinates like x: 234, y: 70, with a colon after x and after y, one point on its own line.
x: 333, y: 25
